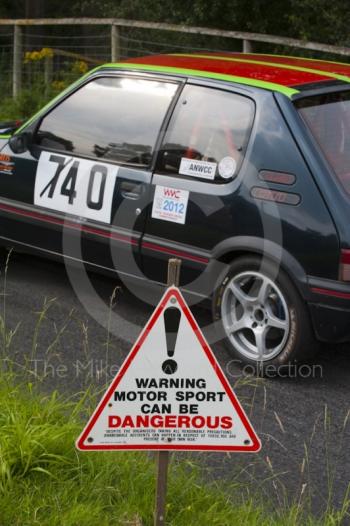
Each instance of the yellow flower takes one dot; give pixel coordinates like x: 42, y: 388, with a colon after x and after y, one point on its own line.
x: 33, y: 56
x: 27, y: 57
x: 58, y: 85
x: 46, y: 52
x: 79, y: 66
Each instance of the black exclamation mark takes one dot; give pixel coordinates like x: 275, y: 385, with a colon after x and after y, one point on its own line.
x: 172, y: 317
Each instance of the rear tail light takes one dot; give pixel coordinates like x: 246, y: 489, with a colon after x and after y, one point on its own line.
x: 344, y: 269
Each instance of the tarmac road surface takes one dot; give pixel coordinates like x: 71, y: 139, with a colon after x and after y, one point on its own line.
x: 300, y: 419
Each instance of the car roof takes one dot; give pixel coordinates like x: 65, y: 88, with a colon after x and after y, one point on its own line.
x: 286, y: 74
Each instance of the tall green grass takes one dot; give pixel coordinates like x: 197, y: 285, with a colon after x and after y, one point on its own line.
x: 45, y: 481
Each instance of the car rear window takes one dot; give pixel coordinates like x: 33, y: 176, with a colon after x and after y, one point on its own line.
x: 328, y: 118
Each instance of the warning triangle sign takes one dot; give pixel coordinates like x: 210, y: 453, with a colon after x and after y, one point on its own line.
x: 170, y: 393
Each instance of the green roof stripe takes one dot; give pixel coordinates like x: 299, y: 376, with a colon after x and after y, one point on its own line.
x: 271, y: 86
x: 5, y: 136
x: 336, y: 76
x: 205, y: 74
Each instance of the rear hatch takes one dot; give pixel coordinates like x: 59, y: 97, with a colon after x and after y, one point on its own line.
x: 327, y: 116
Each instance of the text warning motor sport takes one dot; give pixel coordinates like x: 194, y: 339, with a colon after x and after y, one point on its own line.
x: 170, y: 393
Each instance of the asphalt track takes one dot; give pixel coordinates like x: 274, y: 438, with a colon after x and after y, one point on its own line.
x: 300, y: 419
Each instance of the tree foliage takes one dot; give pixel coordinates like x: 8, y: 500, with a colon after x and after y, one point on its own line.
x: 318, y: 20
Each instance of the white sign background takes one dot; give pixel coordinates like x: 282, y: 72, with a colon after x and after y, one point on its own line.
x: 46, y: 171
x: 145, y: 362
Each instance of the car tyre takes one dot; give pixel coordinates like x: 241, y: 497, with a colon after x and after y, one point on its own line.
x: 261, y: 316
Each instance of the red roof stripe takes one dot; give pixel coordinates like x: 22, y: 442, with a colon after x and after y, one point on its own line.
x: 284, y: 77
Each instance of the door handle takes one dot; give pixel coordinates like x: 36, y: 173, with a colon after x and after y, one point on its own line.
x: 131, y: 189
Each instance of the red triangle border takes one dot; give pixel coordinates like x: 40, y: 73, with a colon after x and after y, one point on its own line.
x: 255, y: 445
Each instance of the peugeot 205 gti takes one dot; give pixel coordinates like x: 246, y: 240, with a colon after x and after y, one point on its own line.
x: 238, y: 164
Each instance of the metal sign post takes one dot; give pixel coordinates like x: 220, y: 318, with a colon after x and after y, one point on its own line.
x: 162, y: 457
x: 164, y: 398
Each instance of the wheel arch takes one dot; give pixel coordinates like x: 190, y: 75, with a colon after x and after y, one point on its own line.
x: 241, y: 246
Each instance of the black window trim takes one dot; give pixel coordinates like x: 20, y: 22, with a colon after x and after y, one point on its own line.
x: 322, y: 90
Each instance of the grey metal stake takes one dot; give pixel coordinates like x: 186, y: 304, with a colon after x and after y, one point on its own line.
x: 174, y: 266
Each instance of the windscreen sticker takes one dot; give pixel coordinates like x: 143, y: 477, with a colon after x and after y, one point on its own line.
x: 170, y: 204
x: 194, y: 168
x: 227, y: 167
x: 75, y: 186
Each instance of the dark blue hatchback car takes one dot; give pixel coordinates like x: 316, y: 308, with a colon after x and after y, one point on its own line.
x: 238, y: 164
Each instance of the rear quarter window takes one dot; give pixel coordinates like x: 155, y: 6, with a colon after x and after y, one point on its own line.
x: 328, y: 118
x: 207, y: 135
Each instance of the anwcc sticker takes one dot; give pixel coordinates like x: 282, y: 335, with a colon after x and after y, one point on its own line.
x: 194, y: 168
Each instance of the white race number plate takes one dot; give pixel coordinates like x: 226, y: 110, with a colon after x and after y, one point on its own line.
x: 75, y: 186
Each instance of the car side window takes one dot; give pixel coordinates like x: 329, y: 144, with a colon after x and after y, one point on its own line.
x: 207, y: 135
x: 111, y: 118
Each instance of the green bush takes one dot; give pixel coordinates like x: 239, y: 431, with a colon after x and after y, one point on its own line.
x: 28, y: 102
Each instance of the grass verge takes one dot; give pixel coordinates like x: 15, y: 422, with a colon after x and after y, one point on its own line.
x: 45, y: 481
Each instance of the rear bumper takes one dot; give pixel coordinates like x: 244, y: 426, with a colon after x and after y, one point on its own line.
x: 330, y: 324
x: 329, y: 307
